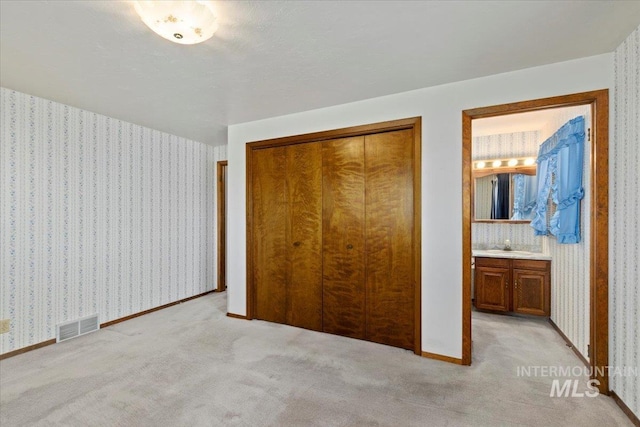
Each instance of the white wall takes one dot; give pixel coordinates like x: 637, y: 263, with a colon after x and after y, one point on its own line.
x: 440, y: 108
x: 624, y: 235
x: 98, y: 216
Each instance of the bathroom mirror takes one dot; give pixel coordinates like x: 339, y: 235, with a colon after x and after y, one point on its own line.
x: 504, y: 190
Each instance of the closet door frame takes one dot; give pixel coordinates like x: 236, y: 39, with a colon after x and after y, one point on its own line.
x: 415, y: 124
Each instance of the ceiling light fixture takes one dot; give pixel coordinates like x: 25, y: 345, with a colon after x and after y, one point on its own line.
x: 183, y: 22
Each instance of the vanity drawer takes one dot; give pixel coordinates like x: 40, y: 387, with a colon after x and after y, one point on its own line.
x: 493, y: 262
x: 531, y: 264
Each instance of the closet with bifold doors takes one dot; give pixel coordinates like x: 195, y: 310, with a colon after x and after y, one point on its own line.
x: 333, y: 232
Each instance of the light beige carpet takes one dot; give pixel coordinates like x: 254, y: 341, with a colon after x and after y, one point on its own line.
x: 190, y: 365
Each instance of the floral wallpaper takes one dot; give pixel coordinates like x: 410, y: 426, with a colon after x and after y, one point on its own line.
x: 624, y: 231
x: 97, y: 216
x: 570, y: 278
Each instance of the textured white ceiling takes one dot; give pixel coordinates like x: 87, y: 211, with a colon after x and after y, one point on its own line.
x: 271, y: 58
x: 521, y: 122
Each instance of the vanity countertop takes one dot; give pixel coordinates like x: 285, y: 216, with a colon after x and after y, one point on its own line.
x: 499, y: 253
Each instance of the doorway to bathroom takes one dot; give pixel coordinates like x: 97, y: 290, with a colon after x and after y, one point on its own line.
x: 222, y: 224
x: 499, y: 158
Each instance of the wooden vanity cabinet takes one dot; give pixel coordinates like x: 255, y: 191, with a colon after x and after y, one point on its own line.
x: 532, y: 287
x: 493, y: 289
x: 513, y: 285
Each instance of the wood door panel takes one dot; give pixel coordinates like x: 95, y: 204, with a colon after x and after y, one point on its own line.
x: 269, y: 233
x: 532, y: 292
x: 492, y: 288
x: 389, y: 265
x: 343, y: 237
x: 304, y: 235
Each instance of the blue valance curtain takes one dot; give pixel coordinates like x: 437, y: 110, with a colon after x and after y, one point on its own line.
x: 560, y: 164
x: 524, y: 196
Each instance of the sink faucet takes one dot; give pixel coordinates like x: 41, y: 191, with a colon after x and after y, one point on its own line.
x: 507, y: 245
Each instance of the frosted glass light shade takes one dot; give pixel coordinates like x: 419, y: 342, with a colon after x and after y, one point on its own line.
x: 184, y: 22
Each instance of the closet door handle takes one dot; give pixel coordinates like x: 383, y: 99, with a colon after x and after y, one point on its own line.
x: 296, y: 244
x: 349, y: 246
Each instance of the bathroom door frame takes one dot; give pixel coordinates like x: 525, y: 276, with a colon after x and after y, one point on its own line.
x: 599, y: 214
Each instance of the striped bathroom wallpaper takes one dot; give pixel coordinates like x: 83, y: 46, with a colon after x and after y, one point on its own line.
x: 624, y: 237
x: 570, y: 263
x: 98, y: 216
x: 518, y: 144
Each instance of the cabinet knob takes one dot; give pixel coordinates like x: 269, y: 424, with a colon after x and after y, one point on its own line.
x: 349, y: 246
x: 296, y: 244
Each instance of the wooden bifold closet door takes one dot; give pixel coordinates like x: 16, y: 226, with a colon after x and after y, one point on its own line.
x: 333, y: 236
x: 389, y: 238
x: 287, y: 228
x: 343, y: 240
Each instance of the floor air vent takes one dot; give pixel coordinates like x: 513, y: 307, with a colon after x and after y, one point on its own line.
x: 75, y: 328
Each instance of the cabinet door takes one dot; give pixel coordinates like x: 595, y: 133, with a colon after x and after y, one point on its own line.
x: 492, y: 288
x: 304, y: 235
x: 343, y: 237
x: 531, y: 292
x: 269, y: 233
x: 390, y: 292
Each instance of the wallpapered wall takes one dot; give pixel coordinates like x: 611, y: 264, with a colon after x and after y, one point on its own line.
x: 570, y: 263
x: 624, y: 249
x: 98, y: 216
x: 518, y: 144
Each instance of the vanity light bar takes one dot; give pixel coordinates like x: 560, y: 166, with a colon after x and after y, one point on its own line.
x: 504, y: 163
